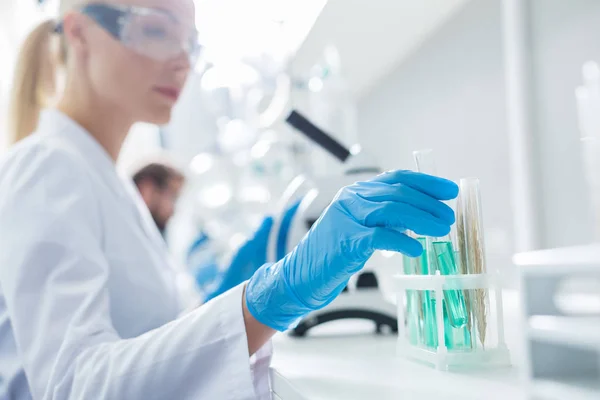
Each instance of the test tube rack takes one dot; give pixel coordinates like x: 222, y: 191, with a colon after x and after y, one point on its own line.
x: 562, y: 357
x: 441, y: 357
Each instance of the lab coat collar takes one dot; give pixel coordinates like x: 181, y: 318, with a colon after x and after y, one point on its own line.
x: 57, y: 123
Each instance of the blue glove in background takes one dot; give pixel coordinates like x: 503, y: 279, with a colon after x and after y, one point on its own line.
x: 364, y: 217
x: 202, y: 264
x: 249, y: 258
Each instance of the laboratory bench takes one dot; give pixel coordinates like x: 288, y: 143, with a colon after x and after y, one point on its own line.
x: 346, y: 361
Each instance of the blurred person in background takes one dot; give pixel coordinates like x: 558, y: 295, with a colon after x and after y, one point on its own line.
x: 89, y: 304
x: 212, y: 278
x: 160, y: 186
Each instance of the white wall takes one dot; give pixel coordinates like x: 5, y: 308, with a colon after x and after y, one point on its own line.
x: 449, y: 96
x: 565, y: 35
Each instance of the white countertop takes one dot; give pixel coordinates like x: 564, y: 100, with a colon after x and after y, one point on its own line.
x: 345, y: 361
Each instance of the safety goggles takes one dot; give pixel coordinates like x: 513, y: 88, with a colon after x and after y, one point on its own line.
x: 153, y: 33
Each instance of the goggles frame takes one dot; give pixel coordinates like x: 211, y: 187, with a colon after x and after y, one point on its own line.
x: 114, y: 19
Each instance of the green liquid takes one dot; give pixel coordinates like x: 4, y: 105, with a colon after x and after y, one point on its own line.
x: 429, y: 333
x: 455, y: 301
x: 413, y: 320
x: 421, y: 305
x: 455, y: 338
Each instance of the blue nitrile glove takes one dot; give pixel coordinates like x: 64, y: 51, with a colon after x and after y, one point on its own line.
x: 250, y: 257
x: 202, y: 263
x: 362, y: 218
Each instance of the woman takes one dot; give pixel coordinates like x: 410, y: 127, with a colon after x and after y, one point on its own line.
x: 88, y: 303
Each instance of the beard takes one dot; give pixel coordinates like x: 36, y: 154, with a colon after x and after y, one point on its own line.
x: 161, y: 224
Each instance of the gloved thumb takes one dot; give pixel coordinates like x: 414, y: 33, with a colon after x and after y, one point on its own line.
x: 392, y: 240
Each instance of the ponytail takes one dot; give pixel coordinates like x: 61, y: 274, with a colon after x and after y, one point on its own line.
x: 34, y: 85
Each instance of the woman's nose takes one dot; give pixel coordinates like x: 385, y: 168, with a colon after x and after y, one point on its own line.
x: 181, y: 62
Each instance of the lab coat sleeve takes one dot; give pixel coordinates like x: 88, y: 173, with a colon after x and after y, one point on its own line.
x: 261, y: 364
x: 53, y: 275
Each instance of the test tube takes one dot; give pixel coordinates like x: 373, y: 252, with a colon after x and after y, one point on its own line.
x: 420, y: 304
x: 425, y: 161
x: 426, y: 164
x: 413, y: 314
x: 440, y: 252
x: 471, y: 228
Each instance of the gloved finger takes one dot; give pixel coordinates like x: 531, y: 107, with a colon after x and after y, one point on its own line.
x: 392, y: 240
x: 438, y: 188
x: 404, y: 216
x: 380, y: 192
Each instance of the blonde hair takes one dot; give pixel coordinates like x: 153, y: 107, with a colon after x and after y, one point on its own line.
x: 34, y: 84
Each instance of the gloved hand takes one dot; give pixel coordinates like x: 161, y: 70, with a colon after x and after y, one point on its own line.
x: 202, y: 264
x: 250, y: 257
x: 362, y: 218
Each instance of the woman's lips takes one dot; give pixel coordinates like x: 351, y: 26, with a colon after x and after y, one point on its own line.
x: 170, y: 92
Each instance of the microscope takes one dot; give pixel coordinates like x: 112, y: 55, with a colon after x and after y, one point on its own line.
x: 301, y: 206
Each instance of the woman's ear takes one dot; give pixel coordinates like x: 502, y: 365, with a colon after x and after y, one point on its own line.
x: 75, y: 31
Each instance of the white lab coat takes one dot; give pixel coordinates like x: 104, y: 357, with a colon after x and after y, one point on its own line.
x: 88, y: 302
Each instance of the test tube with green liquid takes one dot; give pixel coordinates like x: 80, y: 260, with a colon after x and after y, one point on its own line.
x: 420, y: 304
x: 455, y: 338
x: 455, y: 301
x: 441, y: 253
x: 429, y: 333
x: 414, y: 317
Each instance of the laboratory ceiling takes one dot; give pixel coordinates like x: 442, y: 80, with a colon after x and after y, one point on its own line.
x: 373, y: 36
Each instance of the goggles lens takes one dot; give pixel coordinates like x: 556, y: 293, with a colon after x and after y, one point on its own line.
x: 158, y: 36
x: 153, y: 33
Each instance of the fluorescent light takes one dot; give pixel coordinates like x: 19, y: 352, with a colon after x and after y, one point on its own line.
x: 234, y: 29
x: 302, y: 16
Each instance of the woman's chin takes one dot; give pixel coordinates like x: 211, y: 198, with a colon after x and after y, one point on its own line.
x: 159, y: 116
